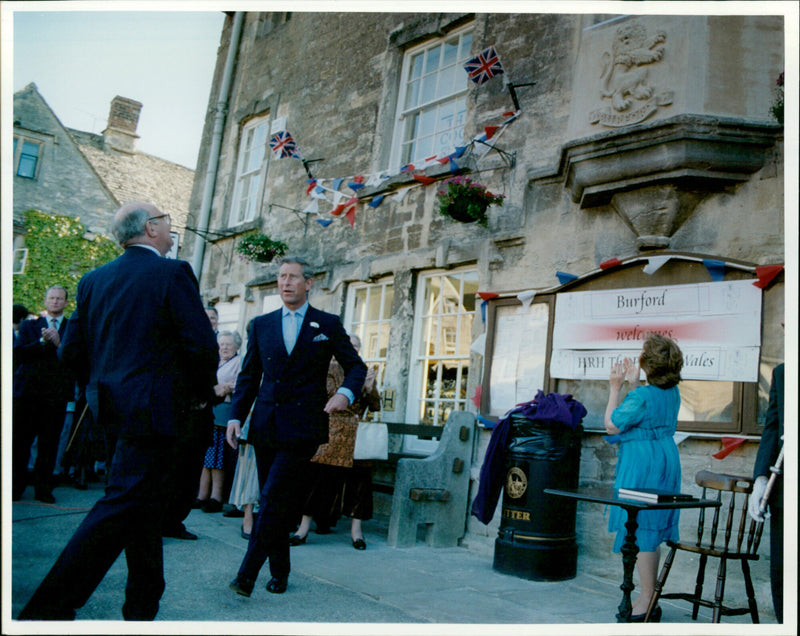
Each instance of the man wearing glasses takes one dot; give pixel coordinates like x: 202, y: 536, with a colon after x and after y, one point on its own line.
x: 141, y: 343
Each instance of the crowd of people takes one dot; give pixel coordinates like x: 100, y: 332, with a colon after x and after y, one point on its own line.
x: 140, y: 381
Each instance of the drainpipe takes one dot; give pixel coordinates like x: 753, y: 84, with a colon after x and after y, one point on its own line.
x: 216, y: 141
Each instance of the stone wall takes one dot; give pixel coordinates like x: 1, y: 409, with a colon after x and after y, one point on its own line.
x: 335, y: 77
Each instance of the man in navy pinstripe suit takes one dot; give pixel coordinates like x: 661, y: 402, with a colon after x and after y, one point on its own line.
x: 141, y: 343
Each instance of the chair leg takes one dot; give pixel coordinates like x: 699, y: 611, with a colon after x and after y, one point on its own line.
x: 698, y: 588
x: 720, y: 593
x: 662, y: 578
x: 751, y: 594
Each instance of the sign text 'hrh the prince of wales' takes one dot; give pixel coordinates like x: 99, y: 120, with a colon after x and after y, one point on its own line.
x: 716, y: 325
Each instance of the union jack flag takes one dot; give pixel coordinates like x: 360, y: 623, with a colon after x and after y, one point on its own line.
x: 283, y: 145
x: 484, y: 67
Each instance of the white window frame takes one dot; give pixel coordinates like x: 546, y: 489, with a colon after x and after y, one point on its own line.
x: 403, y: 114
x: 356, y: 325
x: 247, y: 173
x: 417, y: 360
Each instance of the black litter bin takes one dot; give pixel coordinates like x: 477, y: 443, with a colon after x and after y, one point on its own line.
x: 536, y: 539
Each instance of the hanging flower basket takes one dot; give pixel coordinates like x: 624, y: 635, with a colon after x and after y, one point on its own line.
x: 260, y: 248
x: 465, y: 200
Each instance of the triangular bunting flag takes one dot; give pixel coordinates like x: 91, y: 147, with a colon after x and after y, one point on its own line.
x: 401, y: 194
x: 407, y: 167
x: 476, y: 398
x: 526, y: 298
x: 311, y: 184
x: 355, y: 186
x: 459, y: 151
x: 728, y: 444
x: 654, y: 263
x: 312, y: 207
x: 337, y: 197
x: 359, y: 178
x: 488, y: 295
x: 765, y: 274
x: 490, y: 131
x: 611, y: 262
x: 715, y: 268
x: 351, y: 215
x: 338, y: 209
x: 454, y: 167
x: 564, y: 278
x: 337, y: 183
x: 424, y: 179
x: 324, y: 222
x: 376, y: 201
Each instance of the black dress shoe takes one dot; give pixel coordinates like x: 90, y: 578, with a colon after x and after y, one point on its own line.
x: 234, y: 512
x: 45, y: 497
x: 245, y: 535
x: 212, y: 505
x: 242, y: 585
x: 199, y: 503
x: 655, y: 616
x: 179, y: 533
x: 296, y: 539
x: 276, y: 585
x: 359, y: 544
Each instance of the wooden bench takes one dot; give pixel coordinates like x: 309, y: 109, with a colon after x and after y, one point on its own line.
x: 431, y: 491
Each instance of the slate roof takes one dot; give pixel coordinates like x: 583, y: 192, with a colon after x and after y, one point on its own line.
x: 139, y: 177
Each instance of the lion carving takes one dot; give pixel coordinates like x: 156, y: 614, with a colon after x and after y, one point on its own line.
x: 623, y: 76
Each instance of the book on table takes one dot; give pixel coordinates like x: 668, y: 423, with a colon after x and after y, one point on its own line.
x: 652, y: 494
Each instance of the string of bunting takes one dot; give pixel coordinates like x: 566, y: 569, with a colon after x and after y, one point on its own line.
x: 480, y: 69
x: 764, y: 274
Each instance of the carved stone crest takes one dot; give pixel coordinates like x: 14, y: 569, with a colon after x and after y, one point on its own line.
x: 624, y: 77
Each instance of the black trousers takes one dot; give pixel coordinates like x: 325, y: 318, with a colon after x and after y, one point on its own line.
x: 127, y: 517
x: 34, y: 418
x: 184, y: 471
x: 280, y: 477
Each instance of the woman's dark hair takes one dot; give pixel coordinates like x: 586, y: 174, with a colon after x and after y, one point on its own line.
x: 661, y: 361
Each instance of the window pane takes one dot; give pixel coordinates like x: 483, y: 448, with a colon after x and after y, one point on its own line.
x: 450, y: 52
x: 427, y: 123
x: 27, y: 167
x: 432, y: 59
x: 703, y: 401
x: 428, y: 89
x: 447, y: 80
x: 388, y: 299
x: 415, y: 68
x: 412, y: 94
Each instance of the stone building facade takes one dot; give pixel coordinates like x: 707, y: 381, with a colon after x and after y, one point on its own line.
x: 633, y: 152
x: 69, y: 172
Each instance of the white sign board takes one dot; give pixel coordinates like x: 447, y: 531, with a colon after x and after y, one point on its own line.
x: 716, y: 325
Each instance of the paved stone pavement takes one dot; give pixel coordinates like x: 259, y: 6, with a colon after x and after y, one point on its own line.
x: 333, y: 588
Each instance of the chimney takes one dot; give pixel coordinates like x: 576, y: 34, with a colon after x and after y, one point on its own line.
x: 123, y: 118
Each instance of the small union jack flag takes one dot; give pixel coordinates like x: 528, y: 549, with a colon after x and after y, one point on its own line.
x: 484, y: 67
x: 283, y: 145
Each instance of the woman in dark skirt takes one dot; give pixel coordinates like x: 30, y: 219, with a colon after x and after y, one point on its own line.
x: 338, y: 484
x: 210, y: 494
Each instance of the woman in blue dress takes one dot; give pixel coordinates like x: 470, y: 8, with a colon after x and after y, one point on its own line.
x: 644, y: 425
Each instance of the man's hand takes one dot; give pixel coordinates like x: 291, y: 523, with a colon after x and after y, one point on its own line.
x: 233, y: 433
x: 50, y: 334
x: 754, y: 505
x: 338, y: 402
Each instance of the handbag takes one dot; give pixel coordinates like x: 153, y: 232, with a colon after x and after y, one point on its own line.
x: 372, y: 441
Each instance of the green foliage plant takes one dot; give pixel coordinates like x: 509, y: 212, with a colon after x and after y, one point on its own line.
x: 260, y: 248
x: 465, y: 200
x: 58, y: 254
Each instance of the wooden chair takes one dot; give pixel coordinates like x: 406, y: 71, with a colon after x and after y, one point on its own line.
x: 725, y: 540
